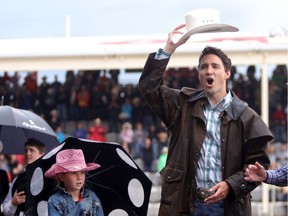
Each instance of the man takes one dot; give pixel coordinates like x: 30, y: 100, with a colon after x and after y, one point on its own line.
x: 214, y: 137
x: 15, y: 200
x: 258, y: 173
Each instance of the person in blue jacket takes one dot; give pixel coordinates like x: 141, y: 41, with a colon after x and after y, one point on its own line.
x: 257, y: 173
x: 72, y: 198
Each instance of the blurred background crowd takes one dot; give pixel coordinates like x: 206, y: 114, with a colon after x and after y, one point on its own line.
x: 94, y: 105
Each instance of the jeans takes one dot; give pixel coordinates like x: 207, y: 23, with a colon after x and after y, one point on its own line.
x: 215, y: 209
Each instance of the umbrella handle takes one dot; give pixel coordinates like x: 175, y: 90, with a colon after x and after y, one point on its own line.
x: 2, y: 100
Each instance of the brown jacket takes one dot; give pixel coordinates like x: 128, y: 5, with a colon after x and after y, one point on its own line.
x: 244, y: 138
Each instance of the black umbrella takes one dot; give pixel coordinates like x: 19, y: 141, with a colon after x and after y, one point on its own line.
x: 18, y: 125
x: 122, y: 186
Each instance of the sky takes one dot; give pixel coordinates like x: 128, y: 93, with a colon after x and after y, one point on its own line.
x: 38, y: 19
x: 34, y: 18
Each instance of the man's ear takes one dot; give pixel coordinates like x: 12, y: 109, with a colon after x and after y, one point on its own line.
x: 228, y: 74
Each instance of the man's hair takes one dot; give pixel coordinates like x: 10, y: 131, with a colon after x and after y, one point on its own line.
x: 218, y: 52
x: 37, y: 144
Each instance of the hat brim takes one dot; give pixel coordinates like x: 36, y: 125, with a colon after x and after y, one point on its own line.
x: 209, y: 28
x: 55, y: 169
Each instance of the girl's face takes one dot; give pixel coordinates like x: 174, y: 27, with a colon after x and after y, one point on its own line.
x: 73, y: 181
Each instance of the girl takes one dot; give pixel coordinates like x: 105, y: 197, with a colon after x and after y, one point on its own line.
x: 72, y: 198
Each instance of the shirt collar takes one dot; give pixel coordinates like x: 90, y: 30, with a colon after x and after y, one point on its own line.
x: 222, y: 104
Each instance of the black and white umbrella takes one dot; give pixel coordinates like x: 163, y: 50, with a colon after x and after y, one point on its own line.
x: 122, y: 186
x: 18, y: 125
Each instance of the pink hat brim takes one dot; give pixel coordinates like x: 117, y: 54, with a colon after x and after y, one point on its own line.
x: 55, y: 169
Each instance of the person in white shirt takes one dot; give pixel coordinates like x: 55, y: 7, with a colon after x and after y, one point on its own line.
x: 14, y: 202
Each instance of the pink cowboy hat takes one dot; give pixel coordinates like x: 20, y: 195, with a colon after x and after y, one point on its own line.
x: 70, y: 160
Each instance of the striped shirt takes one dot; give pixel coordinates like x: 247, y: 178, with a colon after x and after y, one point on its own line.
x: 209, y: 164
x: 278, y: 176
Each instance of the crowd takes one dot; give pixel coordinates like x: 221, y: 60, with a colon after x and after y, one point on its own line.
x: 98, y: 97
x: 87, y: 96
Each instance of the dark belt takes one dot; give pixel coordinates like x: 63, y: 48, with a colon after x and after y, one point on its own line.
x: 203, y: 193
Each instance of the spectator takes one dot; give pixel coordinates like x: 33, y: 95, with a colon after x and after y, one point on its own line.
x: 137, y: 111
x: 282, y: 154
x: 114, y: 76
x: 60, y: 134
x: 114, y: 110
x: 7, y: 80
x: 252, y: 89
x: 147, y: 155
x: 80, y: 131
x: 15, y: 80
x: 83, y: 100
x: 14, y: 165
x: 54, y: 119
x: 162, y: 142
x: 30, y: 82
x: 61, y: 104
x: 14, y: 202
x: 4, y: 188
x: 279, y: 123
x: 139, y: 139
x: 126, y: 111
x: 162, y: 159
x: 257, y: 173
x: 72, y: 104
x: 97, y: 131
x: 126, y: 135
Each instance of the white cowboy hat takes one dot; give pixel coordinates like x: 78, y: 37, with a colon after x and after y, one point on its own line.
x: 206, y: 20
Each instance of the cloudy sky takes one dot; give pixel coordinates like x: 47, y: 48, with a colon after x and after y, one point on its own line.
x: 34, y: 18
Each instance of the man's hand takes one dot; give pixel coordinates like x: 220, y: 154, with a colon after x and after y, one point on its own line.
x: 18, y: 198
x: 221, y: 192
x: 172, y: 46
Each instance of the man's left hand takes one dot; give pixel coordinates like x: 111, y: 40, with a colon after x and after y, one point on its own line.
x: 221, y: 192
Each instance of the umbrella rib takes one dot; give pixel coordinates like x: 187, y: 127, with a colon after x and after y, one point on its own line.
x: 101, y: 185
x: 104, y: 170
x: 96, y: 156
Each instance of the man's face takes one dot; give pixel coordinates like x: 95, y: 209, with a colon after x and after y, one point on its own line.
x: 31, y: 154
x: 212, y: 76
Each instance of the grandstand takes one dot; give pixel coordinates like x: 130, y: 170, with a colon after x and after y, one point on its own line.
x: 99, y: 56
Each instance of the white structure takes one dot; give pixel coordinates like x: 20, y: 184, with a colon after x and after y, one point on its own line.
x: 131, y: 51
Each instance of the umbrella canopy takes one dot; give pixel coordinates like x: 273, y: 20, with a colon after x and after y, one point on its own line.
x: 18, y: 125
x: 122, y: 186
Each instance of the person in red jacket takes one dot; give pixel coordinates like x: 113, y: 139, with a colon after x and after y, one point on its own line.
x: 97, y: 131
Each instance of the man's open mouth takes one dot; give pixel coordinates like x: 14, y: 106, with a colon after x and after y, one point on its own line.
x: 209, y: 81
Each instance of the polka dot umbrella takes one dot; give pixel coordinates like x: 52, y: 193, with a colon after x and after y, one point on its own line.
x: 122, y: 186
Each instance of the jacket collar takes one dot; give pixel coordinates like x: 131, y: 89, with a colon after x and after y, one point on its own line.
x: 234, y: 110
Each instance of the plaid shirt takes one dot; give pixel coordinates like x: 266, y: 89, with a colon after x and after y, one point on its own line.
x: 278, y: 177
x: 209, y: 164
